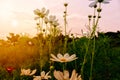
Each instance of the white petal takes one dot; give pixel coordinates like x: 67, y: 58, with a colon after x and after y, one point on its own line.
x: 43, y: 10
x: 57, y: 60
x: 92, y: 4
x: 47, y: 73
x: 105, y: 2
x: 54, y: 57
x: 37, y: 78
x: 79, y: 77
x: 58, y: 75
x: 59, y: 56
x: 47, y: 12
x: 43, y: 73
x: 72, y: 57
x: 66, y: 75
x: 36, y: 11
x: 33, y: 72
x: 36, y: 18
x: 73, y: 76
x: 66, y: 55
x: 27, y: 72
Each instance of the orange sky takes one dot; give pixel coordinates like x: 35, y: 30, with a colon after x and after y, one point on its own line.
x: 17, y: 15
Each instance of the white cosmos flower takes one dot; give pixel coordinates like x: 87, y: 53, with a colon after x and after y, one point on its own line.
x: 28, y: 72
x: 63, y: 58
x: 43, y: 76
x: 55, y: 23
x: 52, y: 20
x: 41, y: 13
x: 98, y: 1
x: 65, y: 75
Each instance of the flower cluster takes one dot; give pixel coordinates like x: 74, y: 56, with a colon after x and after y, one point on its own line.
x: 45, y: 22
x: 96, y: 4
x: 53, y: 22
x: 57, y: 74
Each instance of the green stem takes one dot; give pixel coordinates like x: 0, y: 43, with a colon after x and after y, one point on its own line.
x: 93, y: 52
x: 65, y: 24
x: 92, y: 60
x: 65, y: 44
x: 41, y: 48
x: 94, y: 16
x: 65, y: 19
x: 85, y: 59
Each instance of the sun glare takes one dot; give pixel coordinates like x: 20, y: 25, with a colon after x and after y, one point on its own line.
x: 14, y: 23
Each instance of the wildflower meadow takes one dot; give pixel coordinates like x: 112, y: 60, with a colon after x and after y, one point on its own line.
x: 55, y: 54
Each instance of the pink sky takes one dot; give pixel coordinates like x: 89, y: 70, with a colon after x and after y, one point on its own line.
x: 17, y: 15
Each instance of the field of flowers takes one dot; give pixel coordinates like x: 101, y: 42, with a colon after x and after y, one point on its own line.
x: 52, y: 55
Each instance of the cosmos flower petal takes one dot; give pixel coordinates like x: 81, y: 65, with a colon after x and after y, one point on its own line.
x: 72, y: 57
x: 47, y: 75
x: 37, y: 78
x: 42, y: 77
x: 79, y: 77
x: 92, y: 4
x: 66, y: 75
x: 43, y: 73
x: 54, y: 57
x: 66, y: 55
x: 57, y: 60
x: 58, y: 75
x: 36, y: 18
x: 47, y: 12
x: 27, y: 72
x: 33, y: 72
x: 36, y: 11
x: 105, y: 2
x: 43, y: 10
x: 59, y: 56
x: 73, y: 76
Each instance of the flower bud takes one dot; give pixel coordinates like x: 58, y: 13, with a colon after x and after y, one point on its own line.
x: 37, y: 24
x: 95, y: 6
x: 94, y: 16
x: 65, y: 4
x: 43, y: 30
x: 100, y: 1
x: 89, y: 16
x: 51, y: 67
x: 99, y: 10
x: 71, y: 34
x: 99, y: 16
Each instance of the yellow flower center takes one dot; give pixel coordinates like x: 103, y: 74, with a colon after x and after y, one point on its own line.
x: 63, y: 59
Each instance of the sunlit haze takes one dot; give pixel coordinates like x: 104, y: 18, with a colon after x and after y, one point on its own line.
x: 17, y: 15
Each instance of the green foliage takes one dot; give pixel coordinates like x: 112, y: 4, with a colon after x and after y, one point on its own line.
x: 106, y: 59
